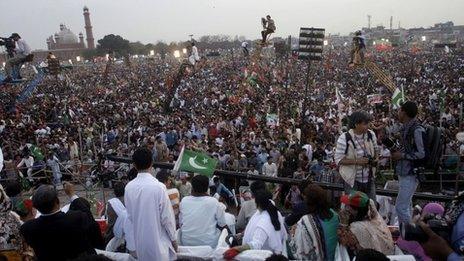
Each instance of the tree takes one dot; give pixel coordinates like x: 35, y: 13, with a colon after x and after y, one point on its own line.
x: 89, y: 54
x: 113, y: 43
x: 138, y: 48
x: 162, y: 48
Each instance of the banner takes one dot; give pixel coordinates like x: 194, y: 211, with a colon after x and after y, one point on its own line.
x: 373, y: 99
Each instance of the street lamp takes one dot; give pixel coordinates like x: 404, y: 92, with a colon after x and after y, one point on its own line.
x: 184, y: 50
x: 176, y: 53
x: 107, y: 57
x: 78, y: 58
x: 424, y: 38
x: 326, y: 42
x: 152, y: 52
x: 373, y: 43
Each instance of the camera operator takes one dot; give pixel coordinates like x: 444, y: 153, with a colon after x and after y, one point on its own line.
x: 9, y: 44
x: 21, y: 53
x: 356, y: 154
x: 413, y: 150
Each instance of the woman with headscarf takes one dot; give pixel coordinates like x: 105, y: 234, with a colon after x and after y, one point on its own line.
x: 265, y: 230
x: 362, y: 227
x: 83, y: 205
x: 316, y: 233
x: 430, y: 211
x: 12, y: 245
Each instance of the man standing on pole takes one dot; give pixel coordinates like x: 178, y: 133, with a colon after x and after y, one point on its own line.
x: 268, y: 26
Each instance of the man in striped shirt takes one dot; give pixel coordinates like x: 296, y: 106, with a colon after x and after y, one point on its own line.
x: 356, y: 153
x: 174, y: 196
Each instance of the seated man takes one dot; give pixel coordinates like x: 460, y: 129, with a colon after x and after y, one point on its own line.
x: 56, y: 235
x: 248, y: 208
x: 200, y: 216
x: 119, y: 228
x: 223, y: 191
x: 22, y: 54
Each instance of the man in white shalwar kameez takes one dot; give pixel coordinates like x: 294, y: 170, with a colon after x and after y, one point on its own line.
x: 194, y: 56
x: 150, y: 211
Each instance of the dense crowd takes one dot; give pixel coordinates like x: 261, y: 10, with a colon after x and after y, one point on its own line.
x: 253, y: 115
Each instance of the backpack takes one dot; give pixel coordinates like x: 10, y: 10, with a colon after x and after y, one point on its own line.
x: 350, y: 138
x: 433, y: 139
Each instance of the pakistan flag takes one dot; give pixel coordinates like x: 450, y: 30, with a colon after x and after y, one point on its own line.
x: 196, y: 162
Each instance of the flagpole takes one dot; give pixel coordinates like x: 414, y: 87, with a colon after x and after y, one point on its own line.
x: 179, y: 160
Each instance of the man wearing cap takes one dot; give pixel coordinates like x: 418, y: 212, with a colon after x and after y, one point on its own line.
x: 184, y: 186
x: 362, y: 227
x: 22, y: 51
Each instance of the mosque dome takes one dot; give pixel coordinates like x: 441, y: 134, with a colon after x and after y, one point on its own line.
x: 66, y: 36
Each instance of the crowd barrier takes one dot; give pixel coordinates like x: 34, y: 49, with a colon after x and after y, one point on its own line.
x: 290, y: 181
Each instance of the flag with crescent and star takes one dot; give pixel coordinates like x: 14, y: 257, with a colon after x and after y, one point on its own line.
x: 196, y: 162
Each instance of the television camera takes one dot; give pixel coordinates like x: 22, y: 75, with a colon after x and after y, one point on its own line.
x: 9, y: 44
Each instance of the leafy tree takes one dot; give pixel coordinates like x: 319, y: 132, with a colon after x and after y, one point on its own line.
x: 162, y: 48
x: 113, y: 43
x: 89, y: 54
x: 138, y: 48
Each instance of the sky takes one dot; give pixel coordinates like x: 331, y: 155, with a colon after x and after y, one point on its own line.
x: 150, y: 21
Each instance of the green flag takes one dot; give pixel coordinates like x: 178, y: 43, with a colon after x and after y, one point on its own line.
x: 196, y: 162
x: 36, y: 153
x: 397, y: 98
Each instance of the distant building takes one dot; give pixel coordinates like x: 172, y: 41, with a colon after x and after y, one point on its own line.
x: 65, y: 39
x: 64, y: 44
x: 440, y: 33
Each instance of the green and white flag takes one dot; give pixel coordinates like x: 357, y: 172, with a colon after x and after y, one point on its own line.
x: 196, y: 162
x: 398, y: 98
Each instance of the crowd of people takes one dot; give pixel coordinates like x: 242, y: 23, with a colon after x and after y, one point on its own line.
x: 252, y: 116
x: 143, y: 224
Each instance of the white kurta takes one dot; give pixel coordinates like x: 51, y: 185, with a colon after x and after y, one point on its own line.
x: 260, y: 234
x: 122, y: 228
x: 1, y: 159
x: 149, y: 210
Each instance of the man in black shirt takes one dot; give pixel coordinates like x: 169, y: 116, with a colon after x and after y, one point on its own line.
x: 56, y: 235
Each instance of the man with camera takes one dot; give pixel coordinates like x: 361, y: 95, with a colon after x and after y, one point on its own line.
x: 407, y: 159
x: 356, y: 155
x: 22, y: 53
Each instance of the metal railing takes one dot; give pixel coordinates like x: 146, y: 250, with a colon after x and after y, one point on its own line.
x: 290, y: 181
